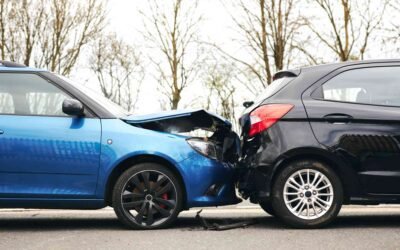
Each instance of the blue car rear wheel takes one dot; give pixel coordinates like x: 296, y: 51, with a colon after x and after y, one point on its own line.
x: 147, y: 196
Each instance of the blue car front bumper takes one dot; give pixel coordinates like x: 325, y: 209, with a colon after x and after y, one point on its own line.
x: 209, y: 182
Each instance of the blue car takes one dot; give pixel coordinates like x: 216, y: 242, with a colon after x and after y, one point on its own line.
x: 62, y: 146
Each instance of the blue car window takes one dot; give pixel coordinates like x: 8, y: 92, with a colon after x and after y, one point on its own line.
x: 6, y: 104
x: 29, y: 94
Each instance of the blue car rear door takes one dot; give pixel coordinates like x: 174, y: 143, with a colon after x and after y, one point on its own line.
x: 44, y: 153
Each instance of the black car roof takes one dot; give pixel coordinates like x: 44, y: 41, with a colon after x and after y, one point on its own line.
x: 329, y: 67
x: 307, y: 76
x: 332, y: 66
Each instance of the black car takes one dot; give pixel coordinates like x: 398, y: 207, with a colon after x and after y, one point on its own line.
x: 323, y: 136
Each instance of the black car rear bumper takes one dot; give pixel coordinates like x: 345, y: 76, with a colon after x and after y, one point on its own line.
x: 254, y: 183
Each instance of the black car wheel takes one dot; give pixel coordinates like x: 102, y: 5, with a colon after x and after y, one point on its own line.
x: 307, y: 194
x: 267, y: 207
x: 147, y: 196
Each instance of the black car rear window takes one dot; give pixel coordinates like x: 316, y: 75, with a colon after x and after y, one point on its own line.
x: 273, y: 88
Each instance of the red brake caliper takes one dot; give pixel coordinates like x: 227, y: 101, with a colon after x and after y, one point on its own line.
x: 165, y: 197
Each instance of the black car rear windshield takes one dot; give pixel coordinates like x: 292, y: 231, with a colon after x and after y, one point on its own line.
x: 273, y: 88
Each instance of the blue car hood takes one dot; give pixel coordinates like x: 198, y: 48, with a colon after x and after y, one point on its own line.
x: 179, y: 121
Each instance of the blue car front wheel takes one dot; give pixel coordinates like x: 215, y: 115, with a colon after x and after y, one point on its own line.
x: 147, y: 196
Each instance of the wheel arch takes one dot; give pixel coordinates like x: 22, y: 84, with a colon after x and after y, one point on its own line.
x: 346, y: 173
x: 137, y: 159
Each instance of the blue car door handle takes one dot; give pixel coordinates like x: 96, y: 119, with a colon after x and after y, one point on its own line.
x: 1, y: 132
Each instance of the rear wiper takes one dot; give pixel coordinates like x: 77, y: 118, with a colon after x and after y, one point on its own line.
x: 248, y: 104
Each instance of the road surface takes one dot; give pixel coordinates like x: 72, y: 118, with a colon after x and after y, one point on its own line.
x: 357, y: 227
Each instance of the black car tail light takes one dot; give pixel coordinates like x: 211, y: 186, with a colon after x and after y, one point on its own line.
x: 267, y: 115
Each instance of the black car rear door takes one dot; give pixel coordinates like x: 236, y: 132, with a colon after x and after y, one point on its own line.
x: 355, y: 112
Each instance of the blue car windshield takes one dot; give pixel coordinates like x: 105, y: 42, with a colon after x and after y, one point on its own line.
x: 112, y: 107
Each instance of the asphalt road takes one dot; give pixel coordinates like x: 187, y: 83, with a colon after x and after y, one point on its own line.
x: 356, y: 228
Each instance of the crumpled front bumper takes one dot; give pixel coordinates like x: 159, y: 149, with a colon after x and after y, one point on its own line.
x: 209, y: 182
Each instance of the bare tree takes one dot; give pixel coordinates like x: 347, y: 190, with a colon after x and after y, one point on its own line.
x: 31, y: 19
x: 72, y: 25
x: 171, y: 28
x: 351, y: 24
x: 269, y: 29
x: 219, y: 81
x: 394, y: 26
x: 49, y: 33
x: 10, y: 45
x: 119, y: 70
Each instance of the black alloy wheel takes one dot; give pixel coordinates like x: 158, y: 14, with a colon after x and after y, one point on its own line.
x: 147, y: 196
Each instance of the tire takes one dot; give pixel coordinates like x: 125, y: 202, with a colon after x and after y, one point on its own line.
x: 267, y: 207
x: 313, y: 203
x: 147, y: 196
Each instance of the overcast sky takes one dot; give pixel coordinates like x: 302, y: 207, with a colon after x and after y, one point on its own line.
x: 126, y: 22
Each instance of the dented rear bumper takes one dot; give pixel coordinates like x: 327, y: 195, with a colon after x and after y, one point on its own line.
x: 253, y: 184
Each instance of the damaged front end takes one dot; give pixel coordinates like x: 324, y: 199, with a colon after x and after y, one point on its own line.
x: 209, y: 134
x: 213, y: 152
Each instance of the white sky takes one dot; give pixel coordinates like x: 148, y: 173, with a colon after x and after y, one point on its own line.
x: 124, y: 18
x: 126, y: 22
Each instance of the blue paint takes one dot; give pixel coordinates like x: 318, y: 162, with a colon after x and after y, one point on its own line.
x: 197, y: 171
x: 49, y: 157
x: 66, y: 162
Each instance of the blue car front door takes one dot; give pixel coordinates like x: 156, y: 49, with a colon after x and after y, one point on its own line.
x: 43, y: 152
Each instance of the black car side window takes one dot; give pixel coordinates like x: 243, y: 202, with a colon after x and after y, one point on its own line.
x: 376, y: 86
x: 29, y: 94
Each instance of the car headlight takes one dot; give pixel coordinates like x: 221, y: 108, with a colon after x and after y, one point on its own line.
x: 205, y: 148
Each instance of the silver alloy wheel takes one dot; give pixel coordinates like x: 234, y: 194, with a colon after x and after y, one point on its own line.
x: 308, y: 194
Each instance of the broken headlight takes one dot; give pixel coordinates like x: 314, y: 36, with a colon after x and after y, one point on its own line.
x: 206, y: 148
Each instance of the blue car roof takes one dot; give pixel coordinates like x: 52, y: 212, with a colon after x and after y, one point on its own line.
x: 8, y: 69
x: 11, y: 66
